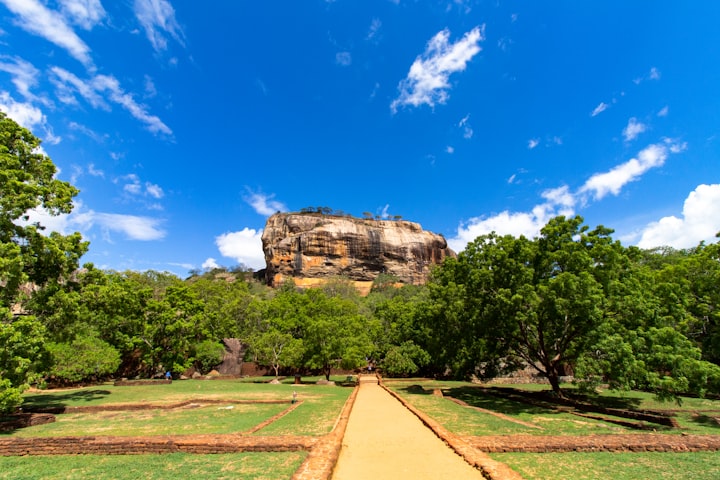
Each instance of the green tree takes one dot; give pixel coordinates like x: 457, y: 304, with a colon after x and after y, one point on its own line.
x: 538, y: 300
x: 335, y: 334
x: 27, y: 182
x: 85, y: 358
x: 277, y: 349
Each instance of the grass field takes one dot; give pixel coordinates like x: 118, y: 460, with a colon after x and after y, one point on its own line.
x: 320, y: 407
x: 175, y: 466
x: 618, y: 466
x: 694, y: 415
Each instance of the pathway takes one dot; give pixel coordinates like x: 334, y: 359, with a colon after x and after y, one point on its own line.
x: 384, y: 440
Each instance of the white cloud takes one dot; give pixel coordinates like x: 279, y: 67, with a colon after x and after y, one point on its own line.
x: 34, y: 17
x: 88, y: 132
x: 86, y: 13
x: 562, y: 201
x: 154, y: 190
x: 467, y: 129
x: 264, y: 204
x: 612, y: 181
x: 663, y: 111
x: 132, y: 226
x: 66, y: 84
x: 25, y: 114
x: 699, y: 222
x: 599, y: 109
x: 210, y: 264
x: 653, y: 74
x: 343, y: 58
x: 558, y: 201
x: 374, y: 28
x: 157, y: 18
x: 24, y: 76
x: 427, y: 81
x: 244, y: 247
x: 93, y: 90
x: 95, y: 172
x: 533, y: 142
x: 633, y: 129
x: 138, y: 188
x: 450, y: 149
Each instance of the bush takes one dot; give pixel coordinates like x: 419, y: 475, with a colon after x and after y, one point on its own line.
x: 208, y: 354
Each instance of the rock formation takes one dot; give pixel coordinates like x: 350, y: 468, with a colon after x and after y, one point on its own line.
x: 311, y: 248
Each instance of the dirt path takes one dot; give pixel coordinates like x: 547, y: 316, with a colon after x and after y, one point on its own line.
x: 384, y: 440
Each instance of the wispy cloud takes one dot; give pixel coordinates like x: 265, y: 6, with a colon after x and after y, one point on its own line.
x: 34, y: 17
x: 28, y: 116
x: 157, y: 18
x: 612, y: 181
x: 100, y: 88
x: 533, y: 142
x: 24, y: 76
x: 85, y: 13
x: 633, y: 129
x: 264, y: 204
x: 599, y: 109
x: 653, y: 74
x: 244, y: 246
x: 133, y: 227
x: 694, y: 226
x: 427, y: 81
x: 663, y: 111
x: 343, y: 58
x: 563, y: 201
x: 374, y: 29
x: 467, y: 129
x: 134, y: 186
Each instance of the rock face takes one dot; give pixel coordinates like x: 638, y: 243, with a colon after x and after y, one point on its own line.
x: 311, y: 248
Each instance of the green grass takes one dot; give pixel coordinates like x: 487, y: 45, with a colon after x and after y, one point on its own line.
x: 467, y: 421
x: 258, y: 466
x: 618, y: 466
x: 215, y: 419
x: 321, y: 405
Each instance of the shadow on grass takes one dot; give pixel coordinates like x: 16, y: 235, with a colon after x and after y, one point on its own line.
x: 56, y: 400
x: 706, y: 421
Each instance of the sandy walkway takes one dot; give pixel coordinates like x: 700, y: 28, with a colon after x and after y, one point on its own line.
x: 384, y: 440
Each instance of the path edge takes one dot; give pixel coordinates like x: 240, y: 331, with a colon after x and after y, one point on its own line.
x: 490, y: 469
x: 322, y: 458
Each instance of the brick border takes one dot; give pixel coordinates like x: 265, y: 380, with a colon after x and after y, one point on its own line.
x: 638, y: 442
x: 321, y: 460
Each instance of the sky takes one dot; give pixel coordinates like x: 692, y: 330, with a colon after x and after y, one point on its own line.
x: 186, y: 124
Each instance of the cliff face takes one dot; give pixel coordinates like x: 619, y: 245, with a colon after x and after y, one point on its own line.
x: 311, y: 248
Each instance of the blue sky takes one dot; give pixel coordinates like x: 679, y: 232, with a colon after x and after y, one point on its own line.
x: 185, y: 124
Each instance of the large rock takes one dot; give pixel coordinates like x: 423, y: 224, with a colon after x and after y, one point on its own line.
x: 311, y: 248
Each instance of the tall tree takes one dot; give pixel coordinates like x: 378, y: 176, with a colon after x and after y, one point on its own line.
x: 538, y: 300
x: 27, y: 182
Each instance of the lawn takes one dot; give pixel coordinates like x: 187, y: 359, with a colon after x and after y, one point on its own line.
x: 257, y: 466
x: 694, y: 415
x: 316, y: 415
x: 618, y: 466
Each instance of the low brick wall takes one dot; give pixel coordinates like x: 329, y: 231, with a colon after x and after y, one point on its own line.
x: 321, y: 460
x: 595, y: 443
x: 113, y: 445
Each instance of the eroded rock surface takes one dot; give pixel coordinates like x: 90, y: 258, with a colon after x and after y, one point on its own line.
x: 311, y: 248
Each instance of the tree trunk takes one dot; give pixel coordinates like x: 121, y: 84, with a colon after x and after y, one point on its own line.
x: 554, y: 378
